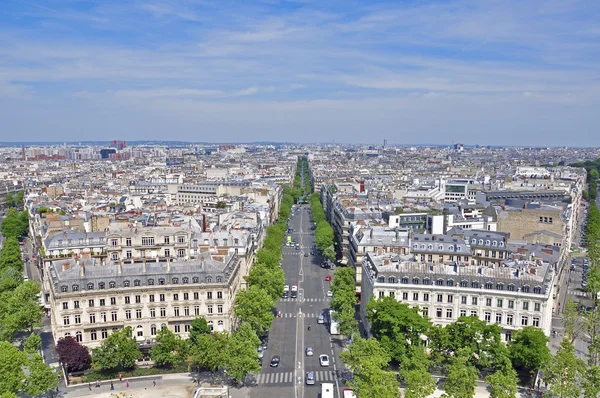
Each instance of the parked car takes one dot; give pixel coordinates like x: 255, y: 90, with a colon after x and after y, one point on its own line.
x: 329, y: 293
x: 321, y: 319
x: 324, y: 360
x: 309, y: 352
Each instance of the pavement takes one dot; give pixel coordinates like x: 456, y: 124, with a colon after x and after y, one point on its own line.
x: 289, y: 335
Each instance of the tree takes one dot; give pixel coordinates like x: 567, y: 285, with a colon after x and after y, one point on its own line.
x: 169, y: 348
x: 267, y: 278
x: 572, y: 320
x: 75, y: 356
x: 33, y: 343
x: 329, y: 253
x: 503, y: 383
x: 375, y: 383
x: 221, y: 204
x: 11, y: 368
x: 198, y: 327
x: 41, y: 377
x: 243, y: 356
x: 254, y: 306
x: 563, y: 371
x: 419, y: 383
x: 210, y: 351
x: 20, y: 309
x: 462, y: 378
x: 118, y: 351
x: 591, y: 382
x: 528, y: 349
x: 363, y: 353
x: 268, y: 257
x: 347, y: 321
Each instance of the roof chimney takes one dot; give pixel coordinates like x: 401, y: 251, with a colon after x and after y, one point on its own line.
x: 81, y: 269
x: 202, y: 268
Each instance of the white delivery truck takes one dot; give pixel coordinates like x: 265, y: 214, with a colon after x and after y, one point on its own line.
x: 327, y: 390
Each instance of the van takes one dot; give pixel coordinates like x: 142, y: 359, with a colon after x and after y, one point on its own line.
x: 327, y: 390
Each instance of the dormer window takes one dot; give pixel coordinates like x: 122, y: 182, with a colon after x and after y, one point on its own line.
x: 463, y: 283
x: 75, y: 288
x: 525, y: 289
x: 136, y: 282
x: 161, y: 281
x: 381, y: 279
x: 219, y: 279
x: 90, y: 286
x: 475, y: 285
x: 473, y: 241
x: 537, y: 290
x: 391, y: 279
x: 404, y: 280
x: 499, y: 286
x: 415, y: 281
x: 441, y: 247
x: 458, y: 248
x: 423, y: 247
x: 195, y: 279
x: 185, y: 280
x: 64, y: 288
x: 481, y: 241
x: 101, y: 285
x: 112, y: 284
x: 126, y: 283
x: 489, y: 285
x: 208, y: 279
x: 501, y: 244
x: 510, y: 288
x: 429, y: 247
x: 487, y: 242
x: 175, y: 281
x: 439, y: 282
x: 449, y: 282
x: 150, y: 282
x: 426, y: 281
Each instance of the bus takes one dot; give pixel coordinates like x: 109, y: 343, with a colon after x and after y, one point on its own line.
x: 327, y: 390
x: 348, y: 393
x: 334, y: 326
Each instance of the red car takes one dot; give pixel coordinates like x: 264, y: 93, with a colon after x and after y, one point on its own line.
x: 328, y: 278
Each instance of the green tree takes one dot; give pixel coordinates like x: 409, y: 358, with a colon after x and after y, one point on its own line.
x: 364, y: 353
x: 563, y: 372
x: 211, y: 351
x: 118, y: 351
x: 243, y: 356
x: 221, y: 204
x: 169, y: 348
x: 419, y: 383
x: 347, y: 321
x: 198, y: 327
x: 41, y: 379
x: 375, y: 383
x: 591, y: 382
x: 267, y: 278
x: 329, y: 253
x: 529, y: 349
x: 255, y: 307
x: 12, y: 362
x: 503, y: 383
x: 33, y: 343
x: 462, y: 378
x: 20, y: 309
x: 268, y: 257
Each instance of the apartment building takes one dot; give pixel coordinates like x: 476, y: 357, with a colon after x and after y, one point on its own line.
x: 72, y: 242
x: 89, y: 300
x: 516, y: 295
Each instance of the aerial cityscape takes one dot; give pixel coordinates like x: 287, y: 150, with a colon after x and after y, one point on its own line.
x: 299, y: 199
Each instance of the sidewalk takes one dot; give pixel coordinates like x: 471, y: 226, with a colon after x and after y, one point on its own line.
x: 179, y: 385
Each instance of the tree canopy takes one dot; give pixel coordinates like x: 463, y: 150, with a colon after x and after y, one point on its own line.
x: 75, y: 356
x: 118, y: 351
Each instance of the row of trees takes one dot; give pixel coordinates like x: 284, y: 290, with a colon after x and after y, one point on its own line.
x: 324, y: 237
x: 15, y: 224
x: 344, y: 300
x: 15, y: 199
x: 593, y: 174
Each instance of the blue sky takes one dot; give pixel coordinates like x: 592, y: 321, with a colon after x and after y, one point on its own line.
x: 479, y: 72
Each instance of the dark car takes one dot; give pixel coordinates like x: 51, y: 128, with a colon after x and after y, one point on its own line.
x: 305, y: 254
x: 275, y: 361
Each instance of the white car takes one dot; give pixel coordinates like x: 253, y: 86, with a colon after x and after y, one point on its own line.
x: 329, y: 293
x: 286, y: 288
x: 324, y: 360
x: 309, y: 352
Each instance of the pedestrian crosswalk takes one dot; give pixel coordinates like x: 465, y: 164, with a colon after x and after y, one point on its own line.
x: 288, y: 377
x: 298, y: 315
x: 310, y: 299
x: 577, y: 292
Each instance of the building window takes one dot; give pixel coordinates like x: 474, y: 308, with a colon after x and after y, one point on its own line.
x: 186, y: 296
x: 152, y: 312
x: 66, y: 320
x: 440, y: 298
x: 508, y: 335
x: 103, y: 333
x: 77, y: 319
x: 65, y: 305
x: 500, y: 286
x: 526, y: 305
x: 136, y: 282
x: 140, y: 331
x: 450, y: 298
x: 127, y: 314
x: 498, y: 317
x: 90, y: 286
x: 536, y: 322
x: 209, y: 295
x: 415, y: 281
x: 78, y: 337
x: 210, y: 325
x: 186, y: 311
x: 219, y: 279
x: 181, y: 253
x: 167, y: 253
x: 181, y: 239
x: 167, y: 240
x: 487, y: 316
x: 499, y: 303
x: 93, y: 335
x: 128, y: 242
x: 474, y: 300
x: 488, y: 302
x: 196, y: 310
x: 474, y: 313
x: 509, y: 319
x: 524, y: 320
x: 416, y: 296
x: 147, y: 241
x: 153, y: 330
x: 525, y: 289
x: 425, y: 311
x: 220, y: 309
x: 151, y: 298
x: 113, y: 316
x: 439, y: 282
x: 463, y: 283
x: 449, y: 313
x: 196, y: 295
x: 404, y: 295
x: 177, y: 328
x: 76, y: 304
x: 161, y: 297
x: 209, y: 309
x: 219, y: 295
x: 510, y: 288
x: 127, y: 300
x: 163, y: 312
x: 425, y: 296
x: 102, y: 302
x: 537, y: 290
x: 161, y: 281
x: 449, y: 282
x: 463, y: 313
x: 92, y: 318
x: 475, y: 285
x: 138, y: 313
x: 150, y: 282
x: 195, y: 279
x: 125, y: 283
x: 463, y: 299
x: 64, y: 289
x: 426, y: 281
x: 175, y: 281
x: 185, y: 280
x: 176, y: 311
x: 91, y: 303
x: 101, y: 285
x: 511, y: 304
x: 489, y: 285
x: 115, y: 256
x: 175, y: 297
x: 138, y: 299
x: 103, y: 317
x: 536, y: 306
x: 438, y: 312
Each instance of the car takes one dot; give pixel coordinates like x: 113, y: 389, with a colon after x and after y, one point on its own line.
x: 294, y: 288
x: 297, y: 247
x: 275, y: 361
x: 324, y: 360
x: 305, y: 254
x: 310, y: 378
x: 261, y: 353
x: 309, y: 352
x: 321, y: 319
x: 286, y: 288
x: 312, y: 253
x: 329, y: 293
x: 328, y: 278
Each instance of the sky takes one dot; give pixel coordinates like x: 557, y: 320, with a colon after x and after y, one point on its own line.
x: 488, y: 72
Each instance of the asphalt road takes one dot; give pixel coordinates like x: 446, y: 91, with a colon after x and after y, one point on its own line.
x: 289, y: 335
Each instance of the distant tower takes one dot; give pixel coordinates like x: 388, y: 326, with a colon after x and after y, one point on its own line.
x: 24, y: 158
x: 385, y: 142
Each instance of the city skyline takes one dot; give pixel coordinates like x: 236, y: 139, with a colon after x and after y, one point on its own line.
x: 488, y: 73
